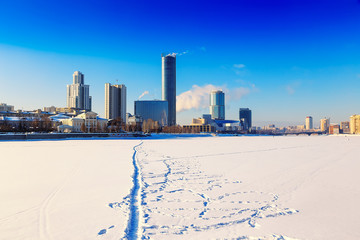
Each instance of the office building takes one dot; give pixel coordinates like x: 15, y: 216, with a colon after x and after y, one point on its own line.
x: 115, y: 101
x: 217, y: 105
x: 345, y: 127
x: 309, y: 123
x: 324, y: 124
x: 155, y: 110
x: 355, y: 124
x: 169, y: 85
x: 245, y: 118
x: 78, y: 93
x: 6, y: 108
x: 201, y: 124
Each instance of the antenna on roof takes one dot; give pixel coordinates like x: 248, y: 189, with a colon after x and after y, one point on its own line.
x: 117, y: 81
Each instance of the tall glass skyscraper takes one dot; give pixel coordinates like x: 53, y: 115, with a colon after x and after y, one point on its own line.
x: 155, y: 110
x: 169, y: 85
x: 245, y: 118
x: 217, y: 105
x: 115, y: 101
x: 78, y: 93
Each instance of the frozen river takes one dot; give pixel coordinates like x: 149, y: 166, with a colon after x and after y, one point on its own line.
x: 253, y: 187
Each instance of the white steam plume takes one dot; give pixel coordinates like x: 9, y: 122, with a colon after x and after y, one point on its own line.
x: 178, y: 54
x: 143, y: 94
x: 199, y: 97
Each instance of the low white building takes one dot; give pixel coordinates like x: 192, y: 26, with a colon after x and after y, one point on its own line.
x: 90, y: 121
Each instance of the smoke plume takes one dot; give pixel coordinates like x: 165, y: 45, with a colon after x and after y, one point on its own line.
x: 199, y: 97
x: 143, y: 94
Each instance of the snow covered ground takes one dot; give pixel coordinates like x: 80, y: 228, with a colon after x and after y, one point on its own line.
x: 254, y: 187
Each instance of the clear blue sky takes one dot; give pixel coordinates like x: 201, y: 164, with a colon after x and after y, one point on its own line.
x: 284, y: 59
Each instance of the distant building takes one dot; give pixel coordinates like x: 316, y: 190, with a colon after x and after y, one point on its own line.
x: 270, y: 127
x: 217, y: 105
x: 300, y: 127
x: 334, y: 129
x: 78, y: 93
x: 156, y: 110
x: 90, y: 120
x: 205, y: 119
x: 355, y: 124
x: 309, y: 123
x: 115, y: 101
x: 133, y: 119
x: 345, y: 127
x: 49, y: 109
x: 198, y: 128
x: 324, y: 124
x: 245, y: 118
x: 169, y: 85
x: 6, y: 108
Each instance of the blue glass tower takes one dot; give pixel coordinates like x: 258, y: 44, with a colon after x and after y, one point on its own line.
x: 155, y: 110
x: 169, y: 85
x: 217, y: 105
x: 245, y: 118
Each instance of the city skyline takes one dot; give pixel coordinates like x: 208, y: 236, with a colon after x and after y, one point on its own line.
x: 296, y: 60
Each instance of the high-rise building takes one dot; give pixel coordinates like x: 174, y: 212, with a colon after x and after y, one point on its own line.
x: 115, y: 101
x: 217, y: 105
x: 78, y: 93
x: 309, y: 123
x: 169, y: 85
x: 324, y: 124
x: 355, y: 124
x: 245, y: 118
x: 345, y: 127
x: 155, y: 110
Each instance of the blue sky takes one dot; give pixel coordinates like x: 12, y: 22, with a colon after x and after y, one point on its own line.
x: 284, y: 59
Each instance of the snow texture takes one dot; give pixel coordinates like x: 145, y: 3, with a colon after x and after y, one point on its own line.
x: 181, y: 188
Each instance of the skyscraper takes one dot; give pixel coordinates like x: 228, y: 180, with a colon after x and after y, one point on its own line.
x: 115, y: 101
x: 169, y: 85
x: 309, y: 123
x: 217, y: 105
x: 245, y: 118
x: 78, y: 93
x: 355, y: 124
x: 324, y: 124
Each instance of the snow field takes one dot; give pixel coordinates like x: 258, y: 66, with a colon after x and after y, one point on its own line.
x: 248, y: 187
x: 62, y: 189
x: 251, y: 188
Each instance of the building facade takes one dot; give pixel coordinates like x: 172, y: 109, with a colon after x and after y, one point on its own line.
x: 245, y: 118
x: 155, y: 110
x: 78, y: 93
x: 334, y: 129
x: 309, y: 123
x: 324, y: 124
x: 217, y: 105
x: 197, y: 128
x: 355, y: 124
x: 345, y: 127
x: 89, y: 121
x: 169, y: 85
x: 115, y: 101
x: 6, y: 108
